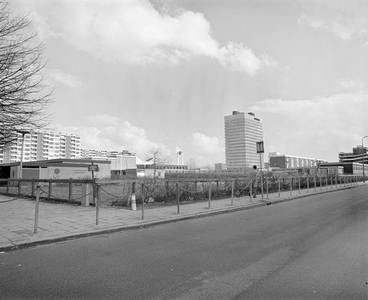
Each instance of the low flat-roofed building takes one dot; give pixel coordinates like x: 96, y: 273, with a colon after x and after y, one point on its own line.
x: 284, y: 161
x: 349, y: 168
x: 56, y: 169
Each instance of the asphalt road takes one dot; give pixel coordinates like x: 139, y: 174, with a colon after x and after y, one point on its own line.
x: 311, y: 248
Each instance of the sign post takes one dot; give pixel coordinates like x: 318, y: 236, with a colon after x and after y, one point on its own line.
x: 260, y: 150
x: 94, y: 168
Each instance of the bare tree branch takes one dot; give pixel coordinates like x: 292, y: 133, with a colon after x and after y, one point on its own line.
x: 23, y: 96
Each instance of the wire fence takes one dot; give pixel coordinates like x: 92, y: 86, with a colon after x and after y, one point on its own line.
x: 141, y: 192
x: 148, y: 190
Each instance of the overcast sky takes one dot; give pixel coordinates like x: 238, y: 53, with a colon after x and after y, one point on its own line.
x: 139, y: 74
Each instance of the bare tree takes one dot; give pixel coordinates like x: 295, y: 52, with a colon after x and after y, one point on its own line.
x: 157, y: 158
x: 23, y: 96
x: 192, y: 164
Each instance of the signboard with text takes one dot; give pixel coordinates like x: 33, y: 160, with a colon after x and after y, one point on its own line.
x: 93, y: 168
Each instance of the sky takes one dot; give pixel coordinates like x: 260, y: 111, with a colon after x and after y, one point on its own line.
x: 143, y: 75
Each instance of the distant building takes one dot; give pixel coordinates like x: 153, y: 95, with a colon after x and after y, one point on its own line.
x: 341, y: 168
x: 55, y: 169
x: 41, y: 145
x: 356, y: 156
x: 219, y: 167
x: 242, y: 132
x: 283, y: 162
x: 87, y: 153
x: 148, y: 169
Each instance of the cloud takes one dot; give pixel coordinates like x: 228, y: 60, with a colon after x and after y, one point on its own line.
x: 104, y: 132
x: 204, y: 145
x: 134, y: 32
x: 345, y: 19
x: 314, y: 127
x: 350, y: 84
x: 69, y: 80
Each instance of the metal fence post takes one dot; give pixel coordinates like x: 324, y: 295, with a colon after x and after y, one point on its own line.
x: 267, y: 186
x: 97, y: 203
x: 70, y: 189
x: 209, y: 196
x: 232, y: 192
x: 50, y: 188
x: 326, y: 182
x: 19, y: 187
x: 291, y: 185
x: 144, y: 196
x: 7, y: 186
x: 177, y: 197
x: 37, y: 208
x: 33, y: 189
x: 315, y: 183
x: 308, y: 183
x: 133, y: 202
x: 261, y: 184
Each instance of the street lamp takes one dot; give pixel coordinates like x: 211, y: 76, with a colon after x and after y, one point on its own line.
x: 23, y: 133
x: 363, y: 157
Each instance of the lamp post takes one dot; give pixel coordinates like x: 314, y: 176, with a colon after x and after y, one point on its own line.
x: 363, y: 157
x: 23, y: 133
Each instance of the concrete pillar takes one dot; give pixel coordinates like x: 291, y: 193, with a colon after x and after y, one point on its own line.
x: 86, y: 194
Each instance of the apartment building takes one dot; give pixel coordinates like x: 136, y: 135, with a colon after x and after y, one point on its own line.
x: 41, y: 145
x: 242, y: 132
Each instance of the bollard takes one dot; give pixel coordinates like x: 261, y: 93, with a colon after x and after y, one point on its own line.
x: 134, y: 204
x: 267, y: 187
x: 37, y: 208
x: 299, y: 184
x: 279, y: 186
x: 315, y: 183
x: 86, y: 196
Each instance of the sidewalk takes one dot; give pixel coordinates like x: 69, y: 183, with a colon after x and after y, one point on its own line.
x: 58, y: 222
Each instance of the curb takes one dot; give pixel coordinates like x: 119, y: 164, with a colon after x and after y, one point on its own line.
x: 146, y: 224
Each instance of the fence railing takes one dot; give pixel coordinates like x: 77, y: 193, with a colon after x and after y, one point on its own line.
x: 120, y: 192
x: 143, y: 191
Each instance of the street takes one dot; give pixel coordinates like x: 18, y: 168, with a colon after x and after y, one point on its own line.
x: 309, y: 248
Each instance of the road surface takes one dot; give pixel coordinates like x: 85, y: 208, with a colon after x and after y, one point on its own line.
x: 311, y: 248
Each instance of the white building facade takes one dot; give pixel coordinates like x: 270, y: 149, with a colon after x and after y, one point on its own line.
x: 41, y: 145
x: 242, y: 132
